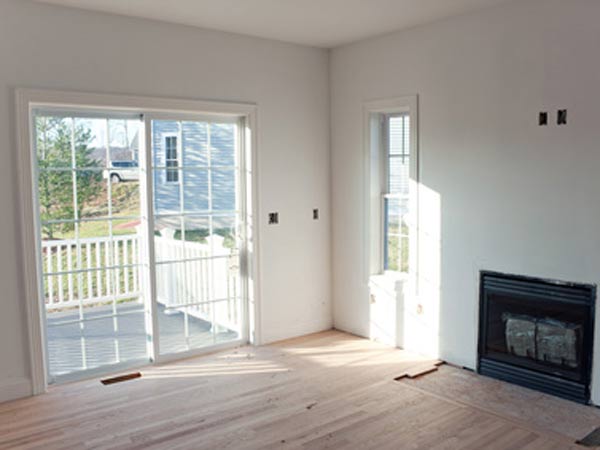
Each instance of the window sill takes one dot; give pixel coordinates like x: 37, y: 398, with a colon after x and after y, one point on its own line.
x: 390, y: 282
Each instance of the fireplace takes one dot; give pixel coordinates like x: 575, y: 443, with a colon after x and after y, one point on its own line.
x: 537, y: 333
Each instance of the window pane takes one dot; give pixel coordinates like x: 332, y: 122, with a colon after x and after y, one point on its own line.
x: 166, y: 195
x: 398, y: 175
x: 223, y: 189
x: 101, y: 343
x: 396, y: 234
x: 53, y: 142
x: 65, y: 349
x: 92, y: 198
x: 167, y: 238
x: 197, y: 229
x: 131, y: 332
x: 399, y: 141
x: 222, y: 140
x: 56, y: 202
x: 195, y: 195
x: 225, y: 226
x: 125, y: 198
x: 171, y: 147
x: 195, y: 144
x: 399, y: 154
x: 172, y: 175
x: 177, y: 287
x: 170, y: 279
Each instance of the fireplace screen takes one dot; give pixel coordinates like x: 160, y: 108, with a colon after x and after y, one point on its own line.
x: 536, y: 325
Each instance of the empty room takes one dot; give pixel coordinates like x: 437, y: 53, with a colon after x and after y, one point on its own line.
x: 299, y: 224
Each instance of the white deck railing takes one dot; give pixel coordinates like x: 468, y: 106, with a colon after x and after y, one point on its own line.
x: 206, y: 286
x: 97, y: 270
x: 91, y: 270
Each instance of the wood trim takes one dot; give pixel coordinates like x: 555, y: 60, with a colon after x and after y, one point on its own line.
x: 133, y: 104
x: 252, y: 221
x: 30, y: 246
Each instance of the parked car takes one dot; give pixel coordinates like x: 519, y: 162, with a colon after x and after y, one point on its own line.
x: 122, y: 171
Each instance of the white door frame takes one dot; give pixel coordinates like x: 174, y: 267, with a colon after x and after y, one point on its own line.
x: 27, y: 100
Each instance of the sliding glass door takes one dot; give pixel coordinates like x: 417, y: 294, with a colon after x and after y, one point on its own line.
x: 135, y: 266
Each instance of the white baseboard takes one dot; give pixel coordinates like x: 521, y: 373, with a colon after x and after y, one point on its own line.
x: 14, y: 388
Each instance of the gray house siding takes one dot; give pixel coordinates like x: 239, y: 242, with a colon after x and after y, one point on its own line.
x: 193, y: 154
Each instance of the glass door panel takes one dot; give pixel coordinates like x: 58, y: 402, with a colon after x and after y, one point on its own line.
x: 89, y: 211
x: 196, y: 245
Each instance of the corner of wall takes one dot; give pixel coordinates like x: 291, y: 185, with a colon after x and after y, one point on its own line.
x: 330, y: 187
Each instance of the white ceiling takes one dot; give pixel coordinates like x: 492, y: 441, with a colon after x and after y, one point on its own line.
x: 320, y: 23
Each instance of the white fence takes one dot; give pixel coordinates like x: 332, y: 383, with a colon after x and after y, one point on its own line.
x: 92, y: 271
x: 201, y: 279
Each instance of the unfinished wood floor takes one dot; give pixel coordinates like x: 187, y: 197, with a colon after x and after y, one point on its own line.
x: 326, y: 390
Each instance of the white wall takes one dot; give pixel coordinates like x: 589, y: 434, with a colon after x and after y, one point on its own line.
x: 499, y: 192
x: 43, y: 46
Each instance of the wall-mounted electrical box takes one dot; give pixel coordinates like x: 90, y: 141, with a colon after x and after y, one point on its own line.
x: 561, y: 117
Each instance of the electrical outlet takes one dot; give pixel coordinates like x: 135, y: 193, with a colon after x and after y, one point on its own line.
x: 543, y: 118
x: 316, y: 214
x: 273, y: 218
x: 561, y: 117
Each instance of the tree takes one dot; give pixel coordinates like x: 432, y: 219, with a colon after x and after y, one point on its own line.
x: 55, y: 139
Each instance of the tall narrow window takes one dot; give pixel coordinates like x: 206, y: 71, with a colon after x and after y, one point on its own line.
x: 171, y: 159
x: 396, y: 195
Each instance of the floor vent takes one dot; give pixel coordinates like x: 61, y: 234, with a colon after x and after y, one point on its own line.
x: 120, y: 378
x: 591, y: 440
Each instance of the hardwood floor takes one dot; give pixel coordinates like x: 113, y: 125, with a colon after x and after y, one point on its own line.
x: 326, y: 390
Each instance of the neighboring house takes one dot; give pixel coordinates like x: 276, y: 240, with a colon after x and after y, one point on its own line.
x: 183, y: 158
x: 200, y: 159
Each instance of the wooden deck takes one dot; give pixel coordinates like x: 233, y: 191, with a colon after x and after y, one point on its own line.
x: 326, y: 390
x: 106, y: 345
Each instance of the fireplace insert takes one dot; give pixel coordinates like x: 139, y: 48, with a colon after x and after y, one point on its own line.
x: 537, y: 333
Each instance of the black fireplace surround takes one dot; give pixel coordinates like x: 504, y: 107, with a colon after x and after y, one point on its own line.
x: 537, y: 333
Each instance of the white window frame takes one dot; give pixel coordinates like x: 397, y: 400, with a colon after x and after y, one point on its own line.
x: 26, y: 100
x: 385, y: 179
x: 176, y: 168
x: 376, y: 189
